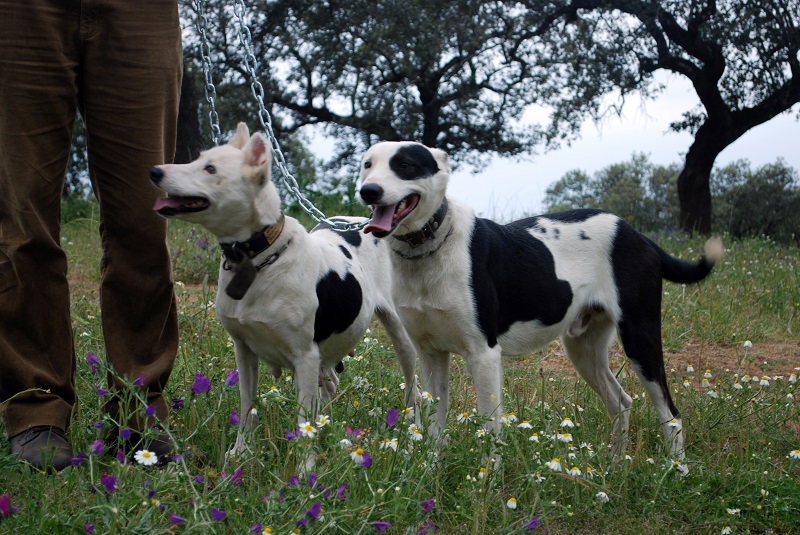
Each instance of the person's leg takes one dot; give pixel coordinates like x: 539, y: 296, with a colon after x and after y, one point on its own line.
x: 129, y: 101
x: 37, y: 108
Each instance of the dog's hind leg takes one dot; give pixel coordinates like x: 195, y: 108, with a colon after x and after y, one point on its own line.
x: 641, y: 339
x: 247, y: 365
x: 589, y: 354
x: 406, y: 355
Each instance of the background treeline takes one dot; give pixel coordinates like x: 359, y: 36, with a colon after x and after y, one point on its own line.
x: 747, y: 201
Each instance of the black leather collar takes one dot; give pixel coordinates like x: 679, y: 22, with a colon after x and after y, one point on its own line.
x: 255, y: 245
x: 429, y: 230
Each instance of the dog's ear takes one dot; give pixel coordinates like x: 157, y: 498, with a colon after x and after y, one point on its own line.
x: 442, y: 158
x: 257, y: 157
x: 239, y: 140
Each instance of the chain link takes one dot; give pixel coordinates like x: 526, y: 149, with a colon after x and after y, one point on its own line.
x: 251, y: 64
x: 205, y: 52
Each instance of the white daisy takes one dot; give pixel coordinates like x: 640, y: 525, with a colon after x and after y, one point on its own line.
x: 601, y: 497
x: 308, y: 430
x: 554, y: 465
x: 389, y: 443
x: 511, y: 503
x: 567, y: 422
x: 145, y: 457
x: 525, y: 425
x: 323, y: 420
x: 574, y: 471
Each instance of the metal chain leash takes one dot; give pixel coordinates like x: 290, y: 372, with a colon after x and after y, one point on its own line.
x: 205, y: 52
x: 251, y: 64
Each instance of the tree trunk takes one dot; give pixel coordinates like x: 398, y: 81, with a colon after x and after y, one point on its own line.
x: 694, y: 182
x: 190, y: 141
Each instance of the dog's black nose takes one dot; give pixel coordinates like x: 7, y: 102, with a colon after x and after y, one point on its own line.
x: 371, y: 193
x: 156, y: 175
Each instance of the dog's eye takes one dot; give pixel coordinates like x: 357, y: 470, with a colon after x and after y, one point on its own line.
x: 210, y: 169
x: 367, y: 165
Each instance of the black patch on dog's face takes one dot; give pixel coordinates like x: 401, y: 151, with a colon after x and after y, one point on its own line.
x: 514, y: 278
x: 412, y: 162
x: 345, y: 252
x: 339, y: 304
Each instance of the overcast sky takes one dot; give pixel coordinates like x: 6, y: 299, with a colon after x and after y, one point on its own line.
x: 509, y: 189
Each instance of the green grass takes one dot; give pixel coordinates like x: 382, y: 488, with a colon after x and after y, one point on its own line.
x: 738, y: 443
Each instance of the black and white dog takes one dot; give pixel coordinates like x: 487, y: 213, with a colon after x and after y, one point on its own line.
x: 470, y: 286
x: 295, y: 300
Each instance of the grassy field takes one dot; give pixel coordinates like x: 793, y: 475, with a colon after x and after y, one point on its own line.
x: 742, y: 436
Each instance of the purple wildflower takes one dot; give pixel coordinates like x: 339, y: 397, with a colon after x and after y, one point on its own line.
x: 98, y: 425
x: 290, y: 435
x: 5, y: 506
x: 97, y: 447
x: 79, y: 459
x: 124, y: 434
x: 381, y: 526
x: 236, y: 477
x: 315, y: 510
x: 341, y: 492
x: 120, y: 456
x: 233, y: 378
x: 366, y: 460
x: 201, y: 384
x: 533, y: 524
x: 427, y: 505
x: 177, y: 403
x: 109, y: 482
x: 101, y: 391
x: 88, y: 528
x: 353, y: 433
x: 218, y: 515
x: 392, y: 417
x: 150, y: 411
x: 312, y: 480
x: 175, y: 520
x: 199, y: 479
x: 294, y: 481
x: 429, y: 528
x: 234, y: 417
x: 139, y: 381
x: 258, y: 528
x: 92, y: 361
x: 302, y: 523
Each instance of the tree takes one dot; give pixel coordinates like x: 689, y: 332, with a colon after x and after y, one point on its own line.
x: 447, y: 74
x: 741, y: 57
x: 761, y: 202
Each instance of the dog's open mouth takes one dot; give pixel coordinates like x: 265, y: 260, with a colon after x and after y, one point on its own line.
x: 175, y: 205
x: 386, y: 217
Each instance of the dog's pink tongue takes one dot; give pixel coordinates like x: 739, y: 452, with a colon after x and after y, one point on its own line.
x: 166, y: 202
x: 381, y: 219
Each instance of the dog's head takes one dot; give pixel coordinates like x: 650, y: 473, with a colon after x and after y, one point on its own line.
x: 404, y: 183
x: 227, y: 189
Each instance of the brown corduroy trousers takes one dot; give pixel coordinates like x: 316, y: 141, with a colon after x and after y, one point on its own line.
x: 117, y: 62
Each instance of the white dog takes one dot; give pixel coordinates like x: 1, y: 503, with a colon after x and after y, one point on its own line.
x: 470, y: 286
x: 292, y: 299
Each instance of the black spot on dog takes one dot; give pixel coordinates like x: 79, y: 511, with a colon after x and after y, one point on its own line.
x: 412, y: 162
x: 582, y: 235
x: 339, y: 304
x: 572, y: 216
x: 556, y: 233
x: 345, y: 252
x: 514, y: 278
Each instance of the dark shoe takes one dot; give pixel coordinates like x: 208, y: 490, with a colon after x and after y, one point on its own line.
x: 43, y: 447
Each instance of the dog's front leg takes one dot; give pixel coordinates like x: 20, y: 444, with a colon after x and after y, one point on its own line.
x: 306, y: 383
x: 435, y: 377
x: 487, y: 373
x: 406, y: 355
x: 247, y: 364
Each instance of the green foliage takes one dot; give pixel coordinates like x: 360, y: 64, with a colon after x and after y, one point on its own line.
x: 747, y: 202
x: 760, y: 202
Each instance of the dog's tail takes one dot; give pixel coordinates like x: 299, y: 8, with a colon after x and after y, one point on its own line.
x: 680, y: 271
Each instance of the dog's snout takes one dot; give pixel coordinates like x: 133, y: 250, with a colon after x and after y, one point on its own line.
x: 156, y: 175
x: 371, y: 193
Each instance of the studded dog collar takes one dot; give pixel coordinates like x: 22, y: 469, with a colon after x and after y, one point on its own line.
x: 427, y: 232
